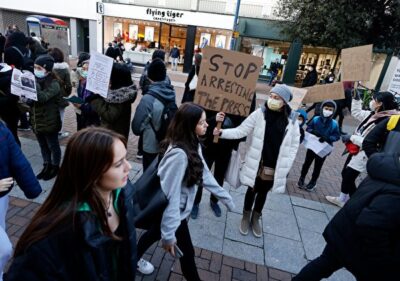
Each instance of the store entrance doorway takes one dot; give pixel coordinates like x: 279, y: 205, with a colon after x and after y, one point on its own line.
x: 170, y: 36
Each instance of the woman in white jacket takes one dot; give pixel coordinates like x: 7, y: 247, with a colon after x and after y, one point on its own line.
x: 381, y: 106
x: 273, y: 138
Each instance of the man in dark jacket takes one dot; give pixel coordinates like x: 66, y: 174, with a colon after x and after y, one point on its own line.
x: 148, y: 114
x: 13, y: 166
x: 175, y: 55
x: 311, y: 77
x: 364, y: 235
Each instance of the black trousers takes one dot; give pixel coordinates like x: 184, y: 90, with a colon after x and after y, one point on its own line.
x: 148, y: 159
x: 49, y: 148
x: 257, y: 195
x: 322, y: 267
x: 349, y: 176
x: 219, y: 155
x: 184, y: 242
x: 310, y: 157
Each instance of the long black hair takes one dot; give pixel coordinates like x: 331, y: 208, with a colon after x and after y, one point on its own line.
x: 182, y: 133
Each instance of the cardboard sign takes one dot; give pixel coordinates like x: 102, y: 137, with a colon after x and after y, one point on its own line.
x: 357, y: 63
x: 99, y: 74
x: 298, y: 96
x: 227, y: 81
x: 318, y: 93
x: 394, y: 85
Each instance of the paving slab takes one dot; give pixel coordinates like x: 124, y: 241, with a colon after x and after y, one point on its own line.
x: 330, y: 210
x: 281, y: 224
x: 313, y: 242
x: 232, y: 232
x: 243, y: 251
x: 278, y: 202
x: 207, y: 234
x: 301, y: 202
x: 284, y: 254
x: 310, y: 219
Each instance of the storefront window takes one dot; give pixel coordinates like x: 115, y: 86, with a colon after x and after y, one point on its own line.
x: 218, y: 38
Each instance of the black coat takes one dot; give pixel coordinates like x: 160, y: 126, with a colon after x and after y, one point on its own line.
x: 365, y: 233
x: 9, y: 111
x: 310, y: 79
x: 80, y: 254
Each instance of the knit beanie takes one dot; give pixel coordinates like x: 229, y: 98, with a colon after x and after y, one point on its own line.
x: 45, y: 61
x: 283, y: 91
x: 158, y: 54
x: 157, y: 71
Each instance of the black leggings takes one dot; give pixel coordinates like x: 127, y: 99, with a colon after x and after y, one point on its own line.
x: 260, y: 189
x: 310, y: 157
x: 184, y: 242
x: 218, y: 154
x: 349, y: 176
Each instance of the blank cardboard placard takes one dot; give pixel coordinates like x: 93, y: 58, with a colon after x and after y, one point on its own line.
x: 298, y: 95
x: 227, y: 81
x: 357, y: 63
x: 318, y: 93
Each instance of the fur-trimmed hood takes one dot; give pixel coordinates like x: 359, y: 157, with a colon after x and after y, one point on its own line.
x: 122, y: 95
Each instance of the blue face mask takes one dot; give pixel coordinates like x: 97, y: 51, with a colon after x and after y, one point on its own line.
x: 40, y: 73
x: 84, y: 74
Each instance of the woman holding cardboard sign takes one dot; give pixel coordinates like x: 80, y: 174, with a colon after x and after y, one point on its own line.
x: 273, y: 138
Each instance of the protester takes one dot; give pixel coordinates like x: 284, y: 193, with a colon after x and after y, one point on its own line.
x: 9, y: 111
x: 191, y: 82
x: 273, y: 70
x: 85, y: 115
x: 175, y: 55
x: 110, y: 51
x: 144, y: 84
x: 115, y: 110
x: 302, y: 118
x: 356, y: 162
x: 148, y: 116
x: 35, y: 48
x: 363, y: 237
x: 327, y: 130
x: 311, y: 77
x: 16, y: 52
x: 61, y: 69
x: 85, y: 228
x: 330, y: 78
x: 45, y: 116
x: 181, y: 170
x: 13, y: 167
x: 273, y: 138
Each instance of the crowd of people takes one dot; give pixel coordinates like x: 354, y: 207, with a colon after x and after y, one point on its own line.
x: 85, y: 229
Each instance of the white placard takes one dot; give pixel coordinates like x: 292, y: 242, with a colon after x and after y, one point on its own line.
x: 394, y: 85
x: 23, y: 84
x: 98, y: 79
x: 312, y: 142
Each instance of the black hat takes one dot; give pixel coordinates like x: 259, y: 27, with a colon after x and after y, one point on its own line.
x: 82, y: 58
x: 158, y: 54
x: 157, y: 71
x: 45, y: 61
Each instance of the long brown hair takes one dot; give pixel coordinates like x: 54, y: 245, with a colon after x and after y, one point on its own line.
x: 181, y: 133
x: 88, y: 156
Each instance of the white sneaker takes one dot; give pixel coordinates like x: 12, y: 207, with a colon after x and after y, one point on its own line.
x: 335, y: 200
x: 145, y: 267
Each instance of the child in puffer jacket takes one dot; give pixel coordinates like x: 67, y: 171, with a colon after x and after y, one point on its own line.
x: 327, y: 130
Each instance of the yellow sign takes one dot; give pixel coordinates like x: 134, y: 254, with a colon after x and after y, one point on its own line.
x: 235, y: 34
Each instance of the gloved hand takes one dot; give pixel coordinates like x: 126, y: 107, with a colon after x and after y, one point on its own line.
x: 346, y: 138
x: 321, y: 139
x: 315, y: 133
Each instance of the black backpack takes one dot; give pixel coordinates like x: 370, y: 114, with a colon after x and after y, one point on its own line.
x: 168, y: 113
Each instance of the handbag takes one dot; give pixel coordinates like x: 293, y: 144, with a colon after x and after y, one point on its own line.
x: 148, y: 199
x: 193, y: 83
x: 232, y: 176
x: 266, y: 173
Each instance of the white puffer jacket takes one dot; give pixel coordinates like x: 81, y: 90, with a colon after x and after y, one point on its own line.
x: 253, y: 127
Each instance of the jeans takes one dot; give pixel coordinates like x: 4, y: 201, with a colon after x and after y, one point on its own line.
x: 349, y: 176
x: 5, y: 243
x: 257, y: 195
x: 175, y: 63
x: 310, y: 157
x: 62, y: 112
x: 219, y: 155
x: 50, y: 148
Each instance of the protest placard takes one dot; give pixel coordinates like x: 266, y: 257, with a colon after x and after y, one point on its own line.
x: 227, y: 81
x: 98, y: 79
x: 357, y: 63
x: 298, y: 95
x: 318, y: 93
x: 23, y: 84
x: 394, y: 85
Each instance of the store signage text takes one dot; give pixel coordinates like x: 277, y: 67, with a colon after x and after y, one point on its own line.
x: 164, y: 15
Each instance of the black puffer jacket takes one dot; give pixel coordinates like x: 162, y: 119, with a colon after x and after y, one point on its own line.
x: 365, y: 233
x: 9, y: 111
x: 81, y: 253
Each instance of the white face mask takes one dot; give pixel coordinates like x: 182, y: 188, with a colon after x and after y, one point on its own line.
x: 372, y: 105
x: 40, y: 73
x: 274, y: 105
x: 327, y: 113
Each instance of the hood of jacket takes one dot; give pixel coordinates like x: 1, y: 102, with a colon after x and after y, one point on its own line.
x: 334, y: 110
x: 61, y: 65
x: 385, y: 167
x: 5, y: 77
x: 162, y: 90
x: 122, y: 95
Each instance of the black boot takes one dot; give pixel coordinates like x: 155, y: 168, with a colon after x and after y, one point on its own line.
x: 43, y: 171
x: 51, y: 173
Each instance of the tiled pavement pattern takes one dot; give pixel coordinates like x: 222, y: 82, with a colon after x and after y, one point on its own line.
x: 292, y: 223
